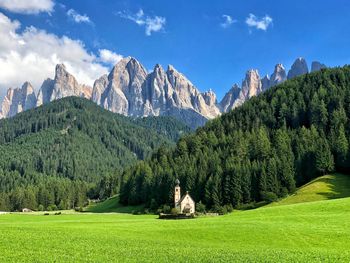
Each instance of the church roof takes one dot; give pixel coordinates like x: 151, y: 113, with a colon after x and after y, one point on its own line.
x: 183, y: 197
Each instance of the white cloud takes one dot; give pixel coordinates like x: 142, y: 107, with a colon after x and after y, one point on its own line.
x: 31, y: 55
x: 109, y: 57
x: 78, y: 18
x: 151, y: 24
x: 262, y: 24
x: 27, y: 6
x: 228, y: 21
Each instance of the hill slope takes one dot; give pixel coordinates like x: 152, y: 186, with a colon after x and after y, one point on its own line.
x: 325, y: 187
x: 308, y: 232
x: 112, y: 205
x: 260, y: 151
x: 72, y: 139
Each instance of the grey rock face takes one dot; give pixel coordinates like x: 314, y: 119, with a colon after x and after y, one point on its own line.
x: 130, y: 91
x: 18, y: 100
x: 251, y: 86
x: 317, y: 66
x: 64, y: 85
x: 99, y: 88
x: 226, y: 104
x: 265, y: 83
x: 122, y: 91
x: 45, y: 92
x: 298, y: 68
x: 279, y: 75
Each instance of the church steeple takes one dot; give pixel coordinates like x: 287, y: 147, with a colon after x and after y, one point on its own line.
x: 177, y: 193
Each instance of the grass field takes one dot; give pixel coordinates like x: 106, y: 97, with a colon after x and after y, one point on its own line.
x: 288, y: 231
x: 322, y: 188
x: 309, y: 232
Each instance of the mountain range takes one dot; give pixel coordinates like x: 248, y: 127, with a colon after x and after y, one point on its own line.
x: 131, y: 91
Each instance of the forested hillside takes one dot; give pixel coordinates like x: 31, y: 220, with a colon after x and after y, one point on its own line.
x: 258, y: 152
x: 55, y: 155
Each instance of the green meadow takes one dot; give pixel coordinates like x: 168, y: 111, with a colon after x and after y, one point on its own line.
x: 303, y: 232
x: 325, y: 187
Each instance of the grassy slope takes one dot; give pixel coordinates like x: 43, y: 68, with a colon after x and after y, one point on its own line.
x: 112, y: 205
x: 322, y: 188
x: 309, y: 232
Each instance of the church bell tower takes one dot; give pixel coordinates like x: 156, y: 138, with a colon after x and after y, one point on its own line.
x: 177, y: 193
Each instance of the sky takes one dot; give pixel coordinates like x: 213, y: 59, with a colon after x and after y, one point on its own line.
x: 212, y: 42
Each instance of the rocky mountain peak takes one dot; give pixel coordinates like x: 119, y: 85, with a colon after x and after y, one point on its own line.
x: 18, y: 100
x: 27, y: 87
x: 99, y: 88
x: 227, y: 102
x: 209, y: 97
x: 265, y: 82
x: 171, y: 68
x: 130, y: 90
x: 298, y: 68
x: 63, y: 85
x: 251, y: 85
x: 278, y: 76
x: 279, y: 69
x: 316, y: 66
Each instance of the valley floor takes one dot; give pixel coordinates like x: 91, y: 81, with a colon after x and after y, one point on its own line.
x: 308, y: 232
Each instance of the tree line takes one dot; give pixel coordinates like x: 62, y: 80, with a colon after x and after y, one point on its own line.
x: 67, y: 151
x: 258, y: 152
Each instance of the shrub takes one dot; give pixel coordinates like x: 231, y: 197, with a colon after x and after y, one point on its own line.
x: 200, y: 207
x: 174, y: 211
x: 146, y: 211
x: 223, y: 210
x: 229, y: 208
x: 40, y: 208
x: 269, y: 197
x: 153, y: 205
x: 284, y: 192
x: 79, y: 209
x: 52, y: 208
x: 166, y: 209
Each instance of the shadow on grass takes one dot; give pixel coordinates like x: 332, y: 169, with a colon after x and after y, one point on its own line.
x: 338, y: 184
x: 112, y: 205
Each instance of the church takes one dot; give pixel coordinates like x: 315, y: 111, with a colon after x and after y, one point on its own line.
x: 185, y: 204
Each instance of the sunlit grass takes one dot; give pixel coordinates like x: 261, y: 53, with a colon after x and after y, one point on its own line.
x: 309, y: 232
x: 322, y: 188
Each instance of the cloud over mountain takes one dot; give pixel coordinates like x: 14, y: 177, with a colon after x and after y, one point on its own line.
x: 33, y: 53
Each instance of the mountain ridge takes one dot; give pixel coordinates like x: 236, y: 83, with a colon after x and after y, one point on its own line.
x: 132, y: 91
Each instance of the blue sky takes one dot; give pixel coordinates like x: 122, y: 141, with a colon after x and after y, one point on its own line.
x: 209, y: 41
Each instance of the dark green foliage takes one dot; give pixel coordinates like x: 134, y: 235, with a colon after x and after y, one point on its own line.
x: 258, y: 152
x: 58, y: 155
x: 200, y: 207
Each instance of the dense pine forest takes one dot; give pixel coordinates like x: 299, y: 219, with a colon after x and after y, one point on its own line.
x: 60, y: 154
x: 259, y: 152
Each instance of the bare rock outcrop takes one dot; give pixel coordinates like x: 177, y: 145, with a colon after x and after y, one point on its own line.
x: 298, y: 68
x: 18, y: 100
x: 317, y: 66
x: 63, y: 85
